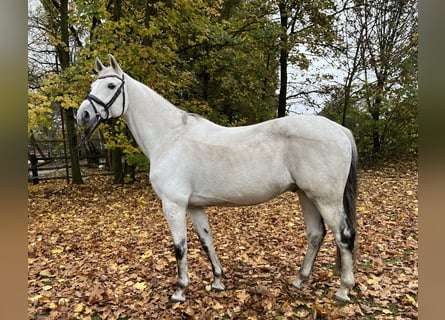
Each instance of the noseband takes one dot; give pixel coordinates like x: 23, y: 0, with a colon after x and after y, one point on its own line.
x: 93, y: 99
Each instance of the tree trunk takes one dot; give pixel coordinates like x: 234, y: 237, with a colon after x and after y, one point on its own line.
x: 118, y: 170
x: 117, y: 10
x: 64, y: 56
x: 72, y: 145
x: 346, y: 98
x: 376, y: 145
x: 116, y: 154
x: 284, y: 56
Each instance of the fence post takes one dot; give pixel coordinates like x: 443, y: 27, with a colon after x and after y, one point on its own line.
x: 34, y: 170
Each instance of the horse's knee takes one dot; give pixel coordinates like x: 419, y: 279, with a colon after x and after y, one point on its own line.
x: 315, y: 237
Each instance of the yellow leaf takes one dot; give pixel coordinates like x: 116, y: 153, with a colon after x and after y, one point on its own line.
x: 374, y: 280
x: 47, y: 287
x: 147, y: 254
x: 46, y: 273
x: 139, y: 285
x: 113, y: 266
x: 35, y: 298
x: 56, y: 251
x: 302, y: 314
x: 78, y: 308
x: 411, y: 300
x: 52, y: 306
x: 189, y: 311
x: 176, y: 305
x: 217, y: 306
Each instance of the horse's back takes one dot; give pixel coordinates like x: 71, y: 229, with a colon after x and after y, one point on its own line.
x: 296, y: 127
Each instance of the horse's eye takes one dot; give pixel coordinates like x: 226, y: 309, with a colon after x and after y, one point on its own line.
x: 111, y: 86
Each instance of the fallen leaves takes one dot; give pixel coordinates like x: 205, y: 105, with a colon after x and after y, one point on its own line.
x: 100, y: 251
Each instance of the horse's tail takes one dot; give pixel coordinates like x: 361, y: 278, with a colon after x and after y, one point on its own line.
x: 349, y: 198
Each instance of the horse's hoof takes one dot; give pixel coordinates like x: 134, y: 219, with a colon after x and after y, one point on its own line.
x: 297, y: 283
x: 177, y: 298
x: 341, y: 297
x: 218, y: 286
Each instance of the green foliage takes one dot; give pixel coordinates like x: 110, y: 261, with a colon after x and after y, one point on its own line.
x: 138, y: 159
x: 39, y: 112
x: 235, y: 63
x: 397, y: 127
x: 202, y: 56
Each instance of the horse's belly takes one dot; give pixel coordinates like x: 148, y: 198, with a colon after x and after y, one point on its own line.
x: 238, y: 194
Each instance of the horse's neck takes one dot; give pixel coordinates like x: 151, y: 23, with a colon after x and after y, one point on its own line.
x: 150, y: 117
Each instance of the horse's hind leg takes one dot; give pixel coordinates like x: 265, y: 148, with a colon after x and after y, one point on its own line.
x: 201, y: 225
x: 315, y: 231
x: 344, y: 237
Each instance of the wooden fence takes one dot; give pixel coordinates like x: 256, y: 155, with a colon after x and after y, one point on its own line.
x: 50, y: 159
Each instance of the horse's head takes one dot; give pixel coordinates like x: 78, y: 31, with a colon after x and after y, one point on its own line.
x: 106, y: 98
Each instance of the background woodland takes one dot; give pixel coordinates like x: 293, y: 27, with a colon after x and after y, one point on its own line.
x: 234, y: 62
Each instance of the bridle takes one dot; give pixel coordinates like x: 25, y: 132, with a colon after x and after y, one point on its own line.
x: 106, y: 106
x: 93, y: 99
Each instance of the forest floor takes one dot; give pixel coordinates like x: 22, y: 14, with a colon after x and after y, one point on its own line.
x: 104, y: 251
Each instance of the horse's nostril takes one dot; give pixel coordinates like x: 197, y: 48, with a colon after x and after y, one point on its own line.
x: 86, y: 116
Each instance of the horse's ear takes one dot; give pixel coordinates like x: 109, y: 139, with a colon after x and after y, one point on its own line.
x: 98, y: 65
x: 114, y: 64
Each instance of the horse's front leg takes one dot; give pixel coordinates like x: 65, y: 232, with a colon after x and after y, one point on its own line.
x: 202, y: 228
x: 176, y: 218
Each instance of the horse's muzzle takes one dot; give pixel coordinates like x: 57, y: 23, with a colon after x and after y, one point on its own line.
x: 86, y: 117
